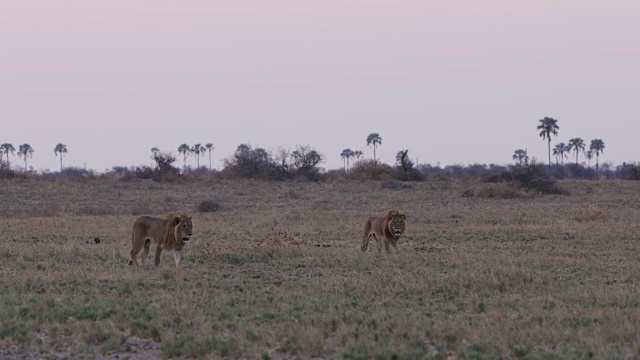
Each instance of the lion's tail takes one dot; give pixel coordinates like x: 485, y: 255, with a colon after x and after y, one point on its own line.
x: 365, y: 237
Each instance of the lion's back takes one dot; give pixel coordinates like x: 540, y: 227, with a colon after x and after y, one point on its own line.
x: 376, y: 225
x: 146, y: 226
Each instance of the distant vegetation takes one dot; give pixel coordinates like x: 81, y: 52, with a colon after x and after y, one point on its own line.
x: 304, y: 163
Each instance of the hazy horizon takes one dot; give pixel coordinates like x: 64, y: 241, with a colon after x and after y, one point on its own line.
x: 461, y: 82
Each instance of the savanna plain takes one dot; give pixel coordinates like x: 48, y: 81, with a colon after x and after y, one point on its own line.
x: 278, y: 272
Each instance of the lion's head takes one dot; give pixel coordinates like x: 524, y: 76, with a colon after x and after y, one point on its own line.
x: 396, y: 222
x: 181, y: 227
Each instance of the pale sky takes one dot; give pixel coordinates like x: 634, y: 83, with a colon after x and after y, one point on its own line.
x: 455, y: 82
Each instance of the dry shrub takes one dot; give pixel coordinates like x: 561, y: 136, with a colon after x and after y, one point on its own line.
x: 281, y: 242
x: 501, y: 191
x: 395, y: 185
x: 370, y: 170
x: 333, y: 175
x: 469, y: 193
x: 208, y: 206
x: 592, y: 212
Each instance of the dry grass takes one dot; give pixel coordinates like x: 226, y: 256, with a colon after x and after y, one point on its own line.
x: 279, y: 271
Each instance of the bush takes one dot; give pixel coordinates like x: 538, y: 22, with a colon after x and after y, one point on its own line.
x: 502, y: 191
x: 208, y: 206
x: 630, y: 171
x: 395, y: 185
x: 370, y: 170
x: 528, y: 176
x: 258, y: 163
x: 576, y: 171
x: 5, y: 171
x: 75, y: 172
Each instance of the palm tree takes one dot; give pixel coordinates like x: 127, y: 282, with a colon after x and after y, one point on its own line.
x: 547, y: 127
x: 60, y: 149
x: 7, y: 148
x: 184, y: 149
x: 345, y: 155
x: 357, y: 154
x: 375, y: 140
x: 209, y: 147
x: 597, y: 145
x: 589, y: 155
x: 196, y: 150
x: 520, y: 155
x: 577, y: 145
x: 559, y: 151
x: 25, y: 150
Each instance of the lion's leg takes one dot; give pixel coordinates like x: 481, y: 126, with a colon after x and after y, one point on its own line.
x: 145, y: 251
x: 135, y: 249
x: 158, y: 252
x: 366, y: 236
x: 386, y: 246
x: 365, y: 243
x: 177, y: 255
x: 395, y: 246
x: 379, y: 241
x: 133, y: 260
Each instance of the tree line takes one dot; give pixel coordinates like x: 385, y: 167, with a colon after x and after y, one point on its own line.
x: 25, y: 151
x: 549, y: 126
x: 304, y: 160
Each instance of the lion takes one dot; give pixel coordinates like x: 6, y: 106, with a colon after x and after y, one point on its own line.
x: 170, y: 233
x: 388, y: 228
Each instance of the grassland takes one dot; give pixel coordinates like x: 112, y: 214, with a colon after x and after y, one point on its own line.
x: 278, y: 272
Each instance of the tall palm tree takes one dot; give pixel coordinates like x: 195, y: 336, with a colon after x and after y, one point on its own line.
x: 345, y: 155
x: 197, y: 150
x: 185, y: 150
x: 26, y: 151
x: 520, y: 155
x: 577, y: 145
x: 210, y: 148
x: 351, y: 154
x: 589, y: 155
x: 5, y: 149
x: 597, y: 145
x: 60, y: 149
x: 560, y: 152
x: 375, y: 140
x: 357, y: 154
x: 547, y: 127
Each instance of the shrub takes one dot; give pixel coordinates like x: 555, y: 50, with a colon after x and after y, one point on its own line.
x: 395, y: 185
x: 164, y: 166
x: 404, y: 170
x: 501, y: 191
x: 208, y: 206
x: 528, y: 176
x: 579, y: 172
x: 5, y: 171
x: 250, y: 163
x: 258, y: 163
x: 370, y: 170
x: 630, y: 171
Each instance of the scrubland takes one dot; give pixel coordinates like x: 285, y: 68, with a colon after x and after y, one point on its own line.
x: 278, y: 272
